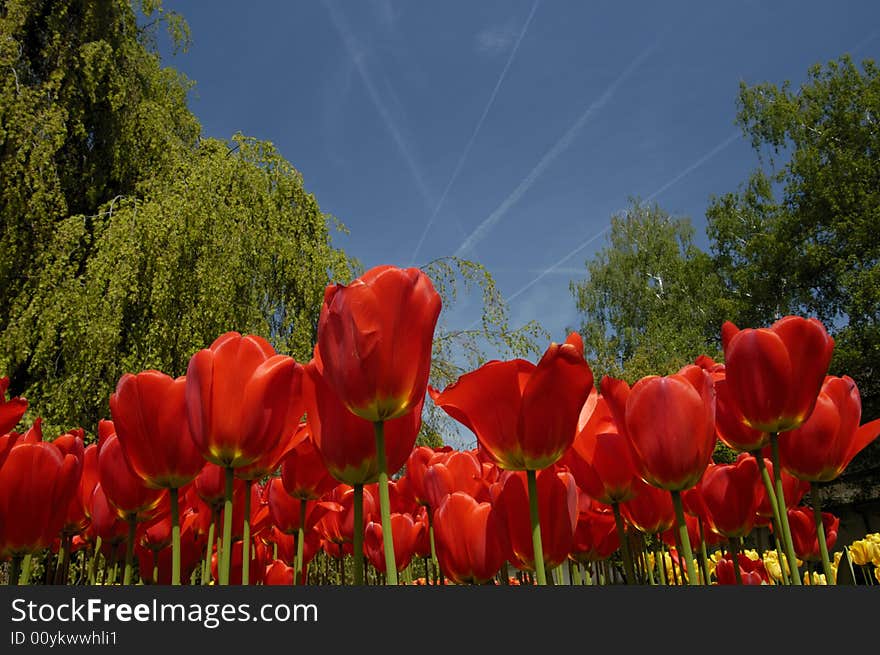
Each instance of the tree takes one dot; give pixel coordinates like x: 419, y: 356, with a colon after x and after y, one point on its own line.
x: 649, y: 302
x: 128, y: 241
x: 801, y: 237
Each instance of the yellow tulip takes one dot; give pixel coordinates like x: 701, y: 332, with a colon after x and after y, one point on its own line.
x: 860, y: 552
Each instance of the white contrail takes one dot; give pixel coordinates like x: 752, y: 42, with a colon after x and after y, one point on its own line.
x: 690, y: 169
x: 558, y: 148
x: 357, y: 57
x: 470, y: 143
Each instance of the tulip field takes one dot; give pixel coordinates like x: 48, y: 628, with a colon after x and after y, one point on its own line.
x: 254, y: 468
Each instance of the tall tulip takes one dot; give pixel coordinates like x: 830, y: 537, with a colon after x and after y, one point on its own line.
x: 149, y: 413
x: 774, y: 377
x: 524, y: 416
x: 238, y: 394
x: 670, y: 422
x: 730, y: 492
x: 805, y: 535
x: 375, y: 336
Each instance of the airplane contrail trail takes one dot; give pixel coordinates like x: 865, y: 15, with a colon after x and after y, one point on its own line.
x: 558, y: 148
x: 470, y: 143
x: 357, y: 57
x: 689, y: 169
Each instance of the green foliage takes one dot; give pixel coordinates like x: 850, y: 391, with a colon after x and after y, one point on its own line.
x: 649, y: 302
x: 127, y: 242
x: 801, y: 237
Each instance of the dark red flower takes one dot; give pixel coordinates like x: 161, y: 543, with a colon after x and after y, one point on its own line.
x: 803, y: 532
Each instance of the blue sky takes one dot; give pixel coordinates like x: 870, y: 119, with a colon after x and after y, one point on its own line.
x: 504, y: 132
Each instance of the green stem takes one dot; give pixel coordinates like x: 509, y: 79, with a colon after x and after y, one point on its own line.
x: 25, y: 577
x: 155, y: 567
x: 783, y: 512
x: 704, y: 557
x: 209, y: 548
x: 660, y: 559
x: 385, y: 506
x: 93, y: 564
x: 537, y: 546
x: 358, y: 534
x: 576, y: 576
x: 624, y: 546
x: 175, y: 537
x: 129, y: 549
x: 820, y: 534
x: 226, y: 553
x: 62, y: 558
x: 685, y: 540
x: 15, y: 573
x: 246, y: 536
x: 774, y: 506
x: 300, y: 539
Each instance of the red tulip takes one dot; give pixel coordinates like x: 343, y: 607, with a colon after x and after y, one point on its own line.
x: 460, y: 471
x: 375, y: 336
x: 557, y: 507
x: 125, y: 490
x: 600, y: 458
x: 105, y: 521
x: 279, y: 573
x: 803, y: 532
x: 670, y: 536
x: 595, y: 537
x: 285, y: 510
x: 149, y: 414
x: 752, y: 572
x: 210, y: 484
x: 338, y: 527
x: 651, y: 509
x: 823, y: 446
x: 293, y: 433
x: 670, y: 422
x: 303, y: 472
x: 11, y: 411
x: 347, y: 443
x: 469, y: 539
x: 417, y: 465
x: 36, y: 483
x: 524, y: 416
x: 237, y: 398
x: 406, y: 533
x: 775, y: 374
x: 730, y: 492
